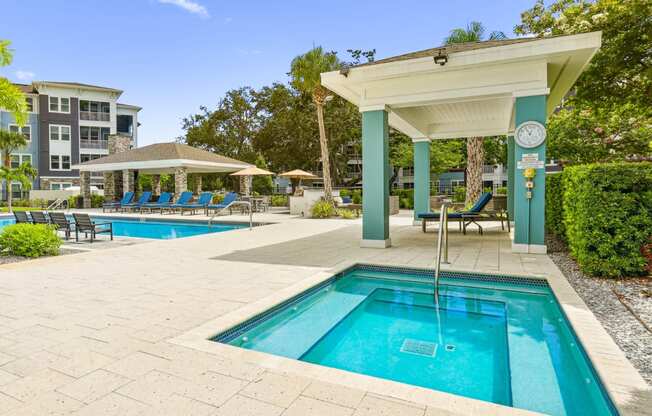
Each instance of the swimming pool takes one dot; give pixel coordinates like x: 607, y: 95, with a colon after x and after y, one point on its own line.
x: 156, y: 229
x: 503, y: 340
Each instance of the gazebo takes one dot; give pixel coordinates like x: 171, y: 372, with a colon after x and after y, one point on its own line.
x: 458, y: 91
x: 120, y: 168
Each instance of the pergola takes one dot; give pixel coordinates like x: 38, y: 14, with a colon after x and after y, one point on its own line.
x: 458, y: 91
x: 156, y: 159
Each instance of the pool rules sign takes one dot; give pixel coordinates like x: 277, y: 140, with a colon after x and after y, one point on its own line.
x: 530, y: 160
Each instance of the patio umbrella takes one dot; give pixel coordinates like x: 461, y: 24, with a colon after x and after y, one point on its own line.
x: 298, y: 174
x: 249, y: 173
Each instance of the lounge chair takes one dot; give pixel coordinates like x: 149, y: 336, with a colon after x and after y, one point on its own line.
x: 60, y: 221
x: 144, y: 198
x: 183, y: 199
x: 228, y: 199
x: 84, y: 224
x: 204, y: 199
x: 464, y: 218
x: 126, y: 199
x: 21, y: 217
x: 38, y: 217
x: 163, y: 201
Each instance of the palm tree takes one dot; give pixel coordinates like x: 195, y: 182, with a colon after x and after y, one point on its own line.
x: 9, y: 142
x: 474, y: 32
x: 305, y: 71
x: 12, y: 98
x: 24, y: 174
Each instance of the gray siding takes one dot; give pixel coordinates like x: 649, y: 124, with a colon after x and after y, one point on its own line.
x: 45, y: 119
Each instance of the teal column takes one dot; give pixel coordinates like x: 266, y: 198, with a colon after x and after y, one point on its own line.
x: 511, y: 167
x: 529, y: 215
x: 421, y: 176
x: 375, y: 179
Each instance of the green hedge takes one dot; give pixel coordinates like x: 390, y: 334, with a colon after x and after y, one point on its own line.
x: 607, y: 214
x: 405, y: 198
x: 554, y: 206
x: 29, y: 240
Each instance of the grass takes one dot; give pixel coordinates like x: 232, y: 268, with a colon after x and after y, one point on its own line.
x: 5, y: 209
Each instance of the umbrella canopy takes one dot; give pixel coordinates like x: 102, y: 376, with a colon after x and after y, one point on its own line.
x: 252, y: 171
x: 298, y: 174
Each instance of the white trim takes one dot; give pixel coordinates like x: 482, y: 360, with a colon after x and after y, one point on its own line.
x: 376, y: 243
x: 58, y: 110
x: 529, y: 248
x: 21, y: 156
x: 421, y: 139
x: 531, y: 92
x: 159, y: 164
x: 59, y: 177
x: 60, y: 185
x: 375, y: 107
x: 29, y: 126
x: 58, y: 126
x: 60, y: 169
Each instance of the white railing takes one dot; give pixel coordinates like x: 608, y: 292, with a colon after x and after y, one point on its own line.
x: 442, y: 246
x: 231, y: 205
x: 93, y: 144
x: 94, y: 116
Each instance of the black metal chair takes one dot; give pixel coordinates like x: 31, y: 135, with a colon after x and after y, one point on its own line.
x: 38, y: 217
x: 60, y: 221
x: 21, y: 217
x: 84, y: 224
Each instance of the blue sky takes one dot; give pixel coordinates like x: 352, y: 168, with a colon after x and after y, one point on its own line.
x: 171, y: 56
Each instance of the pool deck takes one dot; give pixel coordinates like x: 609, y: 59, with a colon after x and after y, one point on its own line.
x: 118, y: 331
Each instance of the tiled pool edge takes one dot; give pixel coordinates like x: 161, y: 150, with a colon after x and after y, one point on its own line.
x: 626, y: 388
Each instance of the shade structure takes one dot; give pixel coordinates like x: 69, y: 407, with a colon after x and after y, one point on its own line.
x: 298, y: 174
x: 252, y: 171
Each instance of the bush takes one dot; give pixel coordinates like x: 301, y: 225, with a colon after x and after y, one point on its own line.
x: 218, y: 198
x: 345, y: 192
x: 347, y: 214
x: 323, y: 209
x: 501, y: 190
x: 29, y: 240
x: 554, y: 206
x: 356, y: 196
x: 405, y: 198
x: 97, y: 201
x: 279, y: 200
x: 607, y: 211
x: 459, y: 194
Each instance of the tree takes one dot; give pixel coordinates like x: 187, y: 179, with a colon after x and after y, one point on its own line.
x: 9, y: 143
x: 474, y: 32
x: 24, y: 174
x: 11, y: 97
x: 608, y: 116
x: 305, y: 71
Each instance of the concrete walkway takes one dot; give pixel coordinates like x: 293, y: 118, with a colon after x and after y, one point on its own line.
x: 85, y: 334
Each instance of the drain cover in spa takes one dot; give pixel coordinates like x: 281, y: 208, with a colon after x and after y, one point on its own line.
x: 414, y: 346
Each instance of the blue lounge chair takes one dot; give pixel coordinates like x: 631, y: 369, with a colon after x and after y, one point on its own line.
x: 126, y: 199
x: 204, y: 199
x: 183, y: 199
x: 135, y: 205
x: 163, y: 201
x: 228, y: 199
x: 464, y: 218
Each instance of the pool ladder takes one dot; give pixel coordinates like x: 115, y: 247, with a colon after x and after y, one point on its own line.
x: 442, y: 246
x: 231, y: 205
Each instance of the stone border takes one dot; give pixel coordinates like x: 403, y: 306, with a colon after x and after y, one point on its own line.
x: 626, y: 388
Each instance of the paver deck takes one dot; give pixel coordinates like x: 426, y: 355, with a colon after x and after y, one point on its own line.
x: 89, y: 334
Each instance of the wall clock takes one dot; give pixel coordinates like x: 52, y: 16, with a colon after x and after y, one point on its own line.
x: 530, y: 134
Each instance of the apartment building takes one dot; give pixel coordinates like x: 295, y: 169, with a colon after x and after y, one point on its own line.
x: 68, y: 123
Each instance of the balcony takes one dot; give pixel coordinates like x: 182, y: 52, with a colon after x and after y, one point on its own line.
x: 93, y: 144
x: 94, y: 116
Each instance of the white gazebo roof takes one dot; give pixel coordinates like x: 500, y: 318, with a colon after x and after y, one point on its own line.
x: 161, y: 158
x: 473, y: 93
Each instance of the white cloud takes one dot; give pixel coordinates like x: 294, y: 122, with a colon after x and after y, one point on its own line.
x: 24, y: 75
x: 189, y: 6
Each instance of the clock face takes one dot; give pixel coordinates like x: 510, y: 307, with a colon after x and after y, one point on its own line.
x: 530, y: 134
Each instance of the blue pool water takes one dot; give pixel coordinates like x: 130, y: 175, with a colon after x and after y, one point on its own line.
x: 162, y: 230
x: 507, y: 343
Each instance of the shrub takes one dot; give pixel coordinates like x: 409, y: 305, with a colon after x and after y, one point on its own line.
x: 97, y: 201
x: 554, y: 206
x: 29, y: 240
x: 279, y: 200
x: 459, y: 194
x: 218, y: 198
x: 347, y: 214
x: 323, y: 209
x: 501, y: 190
x: 356, y: 196
x: 405, y: 198
x: 607, y: 210
x: 345, y: 192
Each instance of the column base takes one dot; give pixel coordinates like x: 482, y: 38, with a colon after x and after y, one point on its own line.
x: 417, y: 222
x: 529, y: 248
x: 375, y: 243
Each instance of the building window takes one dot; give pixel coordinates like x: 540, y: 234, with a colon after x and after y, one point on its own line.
x: 94, y: 110
x: 25, y: 130
x: 409, y: 171
x: 59, y: 132
x: 59, y: 105
x: 59, y: 162
x: 87, y: 157
x: 58, y: 186
x: 124, y: 124
x: 94, y: 137
x: 19, y: 159
x: 30, y: 104
x: 16, y: 191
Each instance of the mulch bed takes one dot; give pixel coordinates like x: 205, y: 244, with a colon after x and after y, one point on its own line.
x: 623, y: 307
x: 18, y: 259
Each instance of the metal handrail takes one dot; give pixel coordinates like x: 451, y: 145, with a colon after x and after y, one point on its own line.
x: 56, y: 204
x: 442, y: 245
x: 230, y: 205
